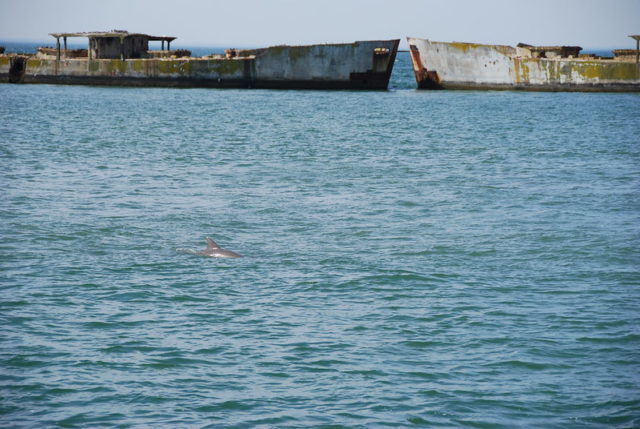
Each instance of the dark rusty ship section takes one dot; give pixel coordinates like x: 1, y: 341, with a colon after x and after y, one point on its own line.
x: 122, y: 58
x: 17, y: 68
x: 424, y: 78
x: 380, y: 73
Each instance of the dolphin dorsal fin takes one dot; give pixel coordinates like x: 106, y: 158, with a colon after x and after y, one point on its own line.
x: 212, y: 244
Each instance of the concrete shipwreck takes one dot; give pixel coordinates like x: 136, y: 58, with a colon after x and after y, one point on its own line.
x: 455, y: 65
x: 121, y: 58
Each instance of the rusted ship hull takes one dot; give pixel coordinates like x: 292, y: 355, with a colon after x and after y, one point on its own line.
x: 359, y: 65
x: 443, y: 65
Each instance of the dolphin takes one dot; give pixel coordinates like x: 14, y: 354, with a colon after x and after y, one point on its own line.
x: 215, y: 251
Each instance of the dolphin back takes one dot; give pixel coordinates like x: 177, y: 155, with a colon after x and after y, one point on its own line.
x: 215, y: 251
x: 223, y: 253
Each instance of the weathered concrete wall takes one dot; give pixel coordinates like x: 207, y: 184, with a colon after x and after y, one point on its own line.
x: 321, y: 62
x: 468, y: 65
x: 143, y: 72
x: 140, y: 68
x: 360, y: 65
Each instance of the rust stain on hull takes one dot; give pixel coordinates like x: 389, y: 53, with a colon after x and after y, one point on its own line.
x: 424, y: 78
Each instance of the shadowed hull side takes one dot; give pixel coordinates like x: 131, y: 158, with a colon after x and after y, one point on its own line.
x: 529, y: 87
x: 371, y: 82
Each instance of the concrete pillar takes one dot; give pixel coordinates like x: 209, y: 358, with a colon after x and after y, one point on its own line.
x: 122, y: 48
x: 637, y: 39
x: 57, y: 49
x: 65, y: 46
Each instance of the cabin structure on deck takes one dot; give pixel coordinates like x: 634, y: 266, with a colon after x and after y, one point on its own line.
x: 114, y: 44
x: 552, y: 51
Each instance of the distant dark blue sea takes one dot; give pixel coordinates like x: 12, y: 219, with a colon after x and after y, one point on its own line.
x: 411, y: 258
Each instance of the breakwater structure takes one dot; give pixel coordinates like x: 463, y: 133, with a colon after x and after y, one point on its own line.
x: 118, y: 57
x: 455, y: 65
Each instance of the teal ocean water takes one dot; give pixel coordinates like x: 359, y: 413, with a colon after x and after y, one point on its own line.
x: 412, y: 258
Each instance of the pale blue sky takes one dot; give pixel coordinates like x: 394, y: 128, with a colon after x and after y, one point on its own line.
x: 588, y: 23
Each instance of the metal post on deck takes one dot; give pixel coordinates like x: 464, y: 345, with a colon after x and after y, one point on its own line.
x: 168, y: 45
x: 636, y: 37
x: 65, y: 46
x: 57, y: 48
x: 162, y: 49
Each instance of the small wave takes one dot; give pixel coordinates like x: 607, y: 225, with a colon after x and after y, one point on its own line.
x: 185, y: 250
x: 225, y: 406
x: 82, y: 419
x: 187, y: 298
x: 631, y: 338
x: 427, y: 375
x: 367, y: 373
x: 275, y: 374
x: 414, y: 344
x: 132, y: 296
x: 523, y: 364
x: 175, y: 362
x: 123, y: 348
x: 268, y: 422
x: 210, y: 351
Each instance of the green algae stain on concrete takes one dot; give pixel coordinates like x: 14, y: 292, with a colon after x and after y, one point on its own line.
x: 612, y: 71
x: 554, y: 70
x: 576, y: 71
x: 465, y: 47
x: 526, y: 75
x: 34, y: 63
x: 297, y: 52
x: 185, y: 67
x: 93, y: 66
x: 137, y: 66
x: 227, y: 67
x: 590, y: 70
x: 172, y: 67
x: 522, y: 70
x: 112, y: 67
x: 166, y: 66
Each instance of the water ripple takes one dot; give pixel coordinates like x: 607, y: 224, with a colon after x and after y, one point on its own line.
x: 411, y: 258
